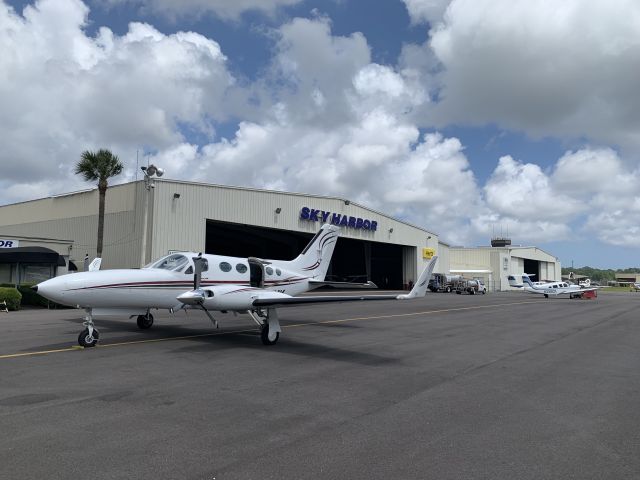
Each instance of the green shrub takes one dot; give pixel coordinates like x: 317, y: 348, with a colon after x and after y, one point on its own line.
x: 29, y: 297
x: 11, y: 296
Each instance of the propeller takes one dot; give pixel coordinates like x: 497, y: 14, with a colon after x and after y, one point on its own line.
x: 196, y: 296
x: 198, y: 266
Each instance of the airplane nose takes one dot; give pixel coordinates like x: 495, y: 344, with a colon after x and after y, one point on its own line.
x: 51, y: 289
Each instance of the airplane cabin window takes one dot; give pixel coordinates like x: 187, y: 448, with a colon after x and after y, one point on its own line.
x: 173, y: 262
x: 241, y: 268
x: 269, y: 270
x: 225, y: 266
x: 189, y: 270
x: 278, y: 272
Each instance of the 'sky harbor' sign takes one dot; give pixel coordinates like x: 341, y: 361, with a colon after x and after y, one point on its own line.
x: 358, y: 223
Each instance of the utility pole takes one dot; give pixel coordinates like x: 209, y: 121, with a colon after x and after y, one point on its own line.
x: 150, y: 173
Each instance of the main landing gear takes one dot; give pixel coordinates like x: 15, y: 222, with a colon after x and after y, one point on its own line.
x: 145, y: 321
x: 90, y: 335
x: 269, y: 325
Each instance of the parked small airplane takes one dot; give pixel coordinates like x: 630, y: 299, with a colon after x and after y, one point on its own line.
x: 550, y: 288
x: 220, y: 283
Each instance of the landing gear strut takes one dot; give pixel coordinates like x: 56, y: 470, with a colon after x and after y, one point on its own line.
x: 90, y: 335
x: 268, y: 323
x: 145, y: 321
x: 270, y: 330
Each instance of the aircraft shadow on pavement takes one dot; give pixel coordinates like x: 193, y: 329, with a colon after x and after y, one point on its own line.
x: 228, y: 337
x: 286, y: 345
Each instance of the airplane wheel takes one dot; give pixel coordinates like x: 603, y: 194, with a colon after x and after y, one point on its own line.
x: 264, y: 336
x: 145, y: 321
x: 448, y: 290
x: 546, y: 296
x: 85, y: 340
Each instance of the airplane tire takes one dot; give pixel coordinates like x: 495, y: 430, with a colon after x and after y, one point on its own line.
x: 546, y: 296
x: 264, y: 336
x: 448, y: 290
x: 144, y: 321
x: 86, y: 341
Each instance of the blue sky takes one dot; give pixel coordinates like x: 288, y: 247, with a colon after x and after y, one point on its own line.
x: 467, y: 117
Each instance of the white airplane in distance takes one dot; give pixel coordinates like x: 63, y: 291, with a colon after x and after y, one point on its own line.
x: 210, y: 283
x: 550, y: 288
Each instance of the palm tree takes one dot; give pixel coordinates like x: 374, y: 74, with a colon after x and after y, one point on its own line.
x: 100, y: 166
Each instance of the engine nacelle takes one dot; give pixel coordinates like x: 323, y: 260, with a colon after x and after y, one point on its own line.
x: 234, y: 297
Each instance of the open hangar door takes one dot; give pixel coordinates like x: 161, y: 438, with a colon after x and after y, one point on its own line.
x: 352, y: 261
x: 532, y: 267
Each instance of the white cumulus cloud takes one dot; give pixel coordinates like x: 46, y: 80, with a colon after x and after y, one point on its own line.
x: 63, y: 92
x: 565, y: 69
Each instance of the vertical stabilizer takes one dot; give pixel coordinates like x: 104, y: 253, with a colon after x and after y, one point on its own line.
x: 314, y: 259
x: 527, y: 280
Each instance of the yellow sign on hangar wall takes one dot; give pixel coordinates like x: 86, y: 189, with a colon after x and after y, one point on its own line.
x: 428, y: 252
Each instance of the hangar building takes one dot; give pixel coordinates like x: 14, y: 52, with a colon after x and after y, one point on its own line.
x: 142, y: 224
x: 495, y: 263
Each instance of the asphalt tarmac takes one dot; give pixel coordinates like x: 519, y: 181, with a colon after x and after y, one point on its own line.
x: 501, y: 386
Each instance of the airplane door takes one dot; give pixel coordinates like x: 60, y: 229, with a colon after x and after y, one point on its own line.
x: 256, y: 273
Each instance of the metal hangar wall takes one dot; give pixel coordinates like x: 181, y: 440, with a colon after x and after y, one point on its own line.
x: 142, y: 224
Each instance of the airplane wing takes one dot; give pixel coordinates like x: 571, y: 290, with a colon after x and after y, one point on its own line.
x: 419, y: 290
x: 293, y: 301
x: 325, y: 283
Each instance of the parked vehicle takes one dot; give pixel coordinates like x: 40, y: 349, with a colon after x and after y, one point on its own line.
x: 470, y: 286
x: 443, y: 283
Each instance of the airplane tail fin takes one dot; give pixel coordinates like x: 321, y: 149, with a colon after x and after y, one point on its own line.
x: 314, y: 259
x: 420, y: 288
x: 94, y: 266
x: 513, y: 282
x: 527, y: 280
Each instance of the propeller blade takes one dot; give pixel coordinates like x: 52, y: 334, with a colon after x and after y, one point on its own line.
x: 198, y: 267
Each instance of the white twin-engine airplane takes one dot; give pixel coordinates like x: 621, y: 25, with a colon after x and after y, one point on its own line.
x: 550, y: 288
x: 210, y: 283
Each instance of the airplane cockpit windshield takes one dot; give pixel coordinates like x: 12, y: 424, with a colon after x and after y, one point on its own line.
x: 173, y: 262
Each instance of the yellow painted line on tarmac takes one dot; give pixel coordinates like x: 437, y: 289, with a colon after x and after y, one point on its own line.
x: 44, y: 352
x: 245, y: 331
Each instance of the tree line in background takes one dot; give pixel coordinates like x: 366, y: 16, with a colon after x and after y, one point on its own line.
x: 597, y: 274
